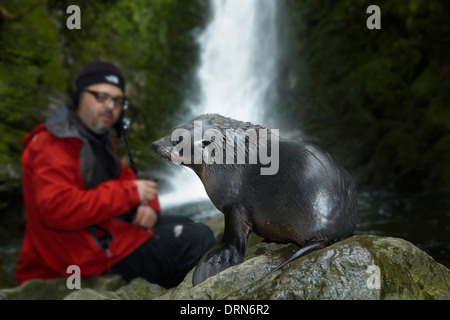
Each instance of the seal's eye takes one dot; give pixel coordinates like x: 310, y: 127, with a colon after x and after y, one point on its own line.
x: 175, y: 142
x: 205, y: 143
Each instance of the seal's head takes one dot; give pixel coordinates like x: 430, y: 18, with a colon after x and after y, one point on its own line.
x: 205, y: 139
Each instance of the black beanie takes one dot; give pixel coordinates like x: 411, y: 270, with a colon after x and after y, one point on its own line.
x: 97, y: 72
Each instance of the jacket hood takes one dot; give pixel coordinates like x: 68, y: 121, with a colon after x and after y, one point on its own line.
x: 59, y: 125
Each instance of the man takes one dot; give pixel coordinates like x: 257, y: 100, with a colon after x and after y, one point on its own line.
x: 77, y: 193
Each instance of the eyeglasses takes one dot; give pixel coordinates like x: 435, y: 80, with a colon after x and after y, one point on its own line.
x: 106, y: 99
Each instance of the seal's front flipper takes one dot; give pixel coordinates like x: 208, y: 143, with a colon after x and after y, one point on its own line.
x: 312, y: 246
x: 229, y: 252
x: 216, y: 260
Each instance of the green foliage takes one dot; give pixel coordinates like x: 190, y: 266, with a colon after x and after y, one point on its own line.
x: 29, y: 78
x: 151, y: 41
x: 378, y: 99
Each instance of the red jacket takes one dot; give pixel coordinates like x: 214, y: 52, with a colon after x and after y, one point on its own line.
x: 59, y: 209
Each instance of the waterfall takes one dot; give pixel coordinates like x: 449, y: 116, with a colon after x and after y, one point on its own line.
x: 236, y: 74
x: 238, y: 59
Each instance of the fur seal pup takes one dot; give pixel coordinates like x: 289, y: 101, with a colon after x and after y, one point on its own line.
x: 309, y: 200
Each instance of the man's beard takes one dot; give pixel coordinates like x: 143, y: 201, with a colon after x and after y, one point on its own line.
x: 99, y: 128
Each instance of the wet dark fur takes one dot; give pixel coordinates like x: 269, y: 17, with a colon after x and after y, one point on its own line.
x: 310, y: 201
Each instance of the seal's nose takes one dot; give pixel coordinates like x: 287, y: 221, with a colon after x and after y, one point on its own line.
x: 155, y: 146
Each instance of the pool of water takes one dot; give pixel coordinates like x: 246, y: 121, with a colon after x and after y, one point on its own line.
x: 422, y: 220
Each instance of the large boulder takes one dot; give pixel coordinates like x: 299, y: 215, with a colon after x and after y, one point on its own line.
x: 360, y: 267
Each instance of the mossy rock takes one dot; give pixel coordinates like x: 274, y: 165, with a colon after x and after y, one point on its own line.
x: 57, y: 289
x: 137, y: 289
x: 340, y: 271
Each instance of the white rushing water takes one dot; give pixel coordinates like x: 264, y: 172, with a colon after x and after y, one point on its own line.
x: 238, y: 59
x: 236, y: 74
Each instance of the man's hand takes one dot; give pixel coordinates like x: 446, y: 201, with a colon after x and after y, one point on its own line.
x: 146, y: 216
x: 147, y: 190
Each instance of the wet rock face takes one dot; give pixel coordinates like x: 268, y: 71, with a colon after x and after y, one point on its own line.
x: 337, y: 273
x: 360, y: 267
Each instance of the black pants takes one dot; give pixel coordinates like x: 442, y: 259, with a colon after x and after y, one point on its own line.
x: 167, y: 258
